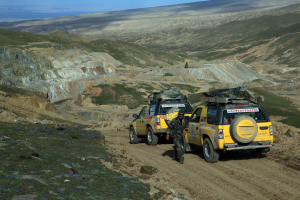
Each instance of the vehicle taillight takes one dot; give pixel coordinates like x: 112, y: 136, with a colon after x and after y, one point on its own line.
x: 158, y: 121
x: 220, y: 134
x: 271, y: 130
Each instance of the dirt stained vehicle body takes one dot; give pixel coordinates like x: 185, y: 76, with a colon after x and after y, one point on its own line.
x: 229, y: 125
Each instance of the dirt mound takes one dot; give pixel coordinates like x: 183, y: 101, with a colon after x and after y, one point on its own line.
x: 93, y: 91
x: 286, y: 139
x: 23, y: 108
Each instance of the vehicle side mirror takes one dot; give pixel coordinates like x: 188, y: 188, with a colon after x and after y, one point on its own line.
x: 135, y: 116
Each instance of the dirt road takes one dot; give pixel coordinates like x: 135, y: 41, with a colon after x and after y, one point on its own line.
x: 235, y: 176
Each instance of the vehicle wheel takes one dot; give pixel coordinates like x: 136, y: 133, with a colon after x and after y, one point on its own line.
x: 209, y: 152
x: 133, y: 138
x: 152, y: 139
x: 243, y: 129
x: 257, y: 153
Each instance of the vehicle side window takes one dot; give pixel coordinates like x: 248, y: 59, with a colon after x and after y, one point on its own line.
x: 196, y: 116
x: 211, y: 115
x: 142, y: 113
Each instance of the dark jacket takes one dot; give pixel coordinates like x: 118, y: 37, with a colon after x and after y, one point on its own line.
x: 176, y: 128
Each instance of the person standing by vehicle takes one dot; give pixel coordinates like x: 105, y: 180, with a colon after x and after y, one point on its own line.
x: 178, y: 127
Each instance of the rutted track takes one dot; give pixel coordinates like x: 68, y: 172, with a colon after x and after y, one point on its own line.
x: 235, y: 176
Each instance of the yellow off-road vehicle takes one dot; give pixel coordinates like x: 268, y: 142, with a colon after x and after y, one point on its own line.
x: 150, y: 122
x: 229, y: 124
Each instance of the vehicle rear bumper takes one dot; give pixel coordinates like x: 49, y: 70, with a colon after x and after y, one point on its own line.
x: 249, y: 147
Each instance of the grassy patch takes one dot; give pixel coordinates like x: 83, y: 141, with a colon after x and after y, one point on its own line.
x: 168, y: 74
x: 147, y: 87
x: 70, y: 167
x: 17, y: 90
x: 132, y: 54
x: 18, y: 38
x: 194, y: 98
x: 125, y: 52
x: 279, y: 106
x: 257, y: 80
x: 119, y: 94
x: 188, y: 88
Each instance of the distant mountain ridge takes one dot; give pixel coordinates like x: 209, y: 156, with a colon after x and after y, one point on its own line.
x: 198, y: 15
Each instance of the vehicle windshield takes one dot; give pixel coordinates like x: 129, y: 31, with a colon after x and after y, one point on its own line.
x: 230, y: 114
x: 163, y: 108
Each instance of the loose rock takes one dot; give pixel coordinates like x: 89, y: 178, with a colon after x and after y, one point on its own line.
x: 3, y: 144
x: 148, y: 170
x: 24, y: 197
x: 35, y: 178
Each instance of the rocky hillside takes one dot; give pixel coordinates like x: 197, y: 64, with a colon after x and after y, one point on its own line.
x: 269, y: 36
x: 55, y: 73
x: 215, y: 71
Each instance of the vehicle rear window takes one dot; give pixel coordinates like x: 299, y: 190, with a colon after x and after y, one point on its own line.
x: 163, y: 108
x: 230, y: 114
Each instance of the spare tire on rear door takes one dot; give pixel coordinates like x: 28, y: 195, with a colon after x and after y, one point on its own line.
x: 243, y: 129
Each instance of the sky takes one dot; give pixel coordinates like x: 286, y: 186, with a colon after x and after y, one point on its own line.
x: 33, y: 9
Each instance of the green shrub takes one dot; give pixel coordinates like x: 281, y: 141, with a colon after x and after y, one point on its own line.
x: 168, y: 74
x: 186, y: 65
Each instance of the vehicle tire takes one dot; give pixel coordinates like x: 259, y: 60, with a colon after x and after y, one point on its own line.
x: 152, y: 139
x: 210, y: 154
x: 133, y: 138
x: 243, y: 129
x: 257, y: 153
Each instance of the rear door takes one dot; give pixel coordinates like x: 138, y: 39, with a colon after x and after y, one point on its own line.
x: 209, y: 127
x: 194, y: 126
x: 140, y: 122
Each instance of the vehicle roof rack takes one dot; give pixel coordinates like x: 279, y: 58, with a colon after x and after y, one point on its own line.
x: 223, y: 100
x: 170, y: 94
x: 237, y: 95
